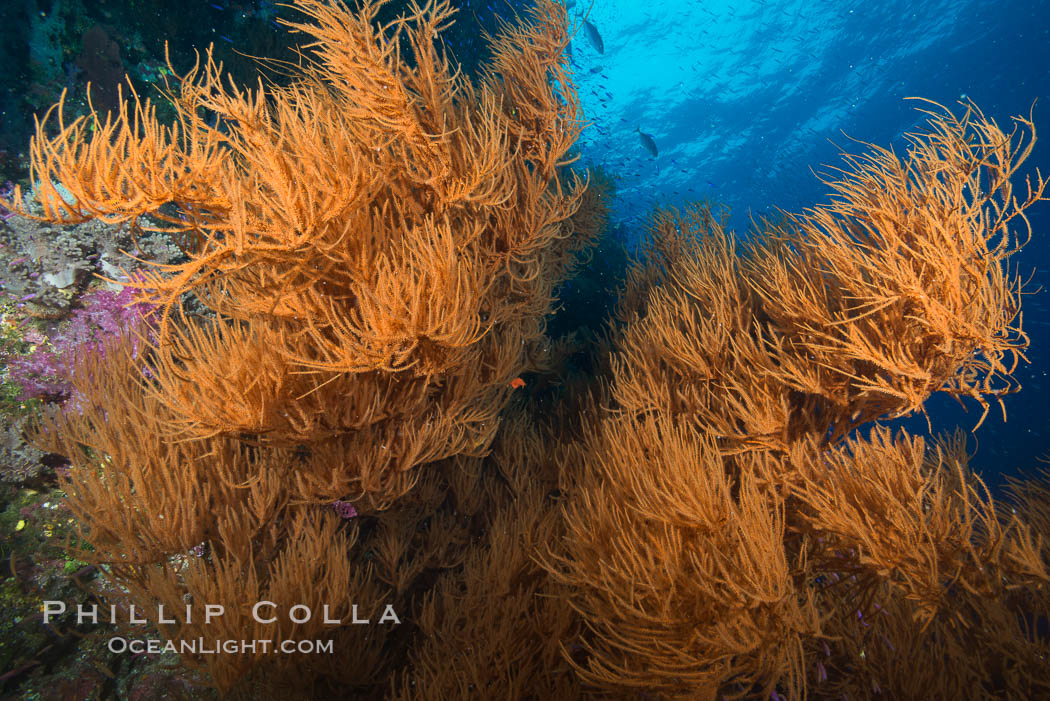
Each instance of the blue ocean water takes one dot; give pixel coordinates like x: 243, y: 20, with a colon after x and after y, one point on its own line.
x: 746, y: 100
x: 741, y: 103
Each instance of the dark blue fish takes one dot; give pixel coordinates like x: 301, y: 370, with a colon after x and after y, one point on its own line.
x: 648, y: 142
x: 594, y: 37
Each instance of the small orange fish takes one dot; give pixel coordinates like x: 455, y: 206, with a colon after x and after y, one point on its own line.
x: 517, y: 383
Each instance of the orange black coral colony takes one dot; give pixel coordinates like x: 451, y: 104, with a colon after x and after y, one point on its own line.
x: 376, y: 246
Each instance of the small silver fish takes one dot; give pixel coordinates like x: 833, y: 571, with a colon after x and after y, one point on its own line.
x: 594, y: 37
x: 648, y: 142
